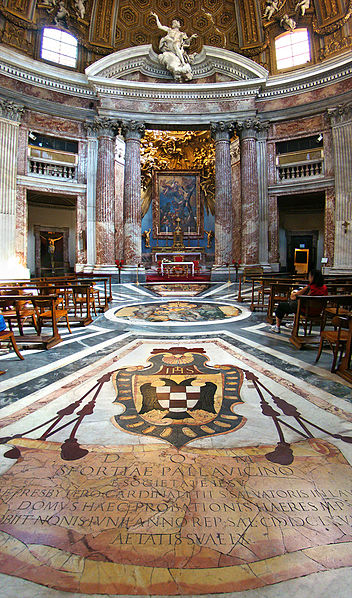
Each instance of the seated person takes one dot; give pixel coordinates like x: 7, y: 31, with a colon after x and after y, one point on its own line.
x: 2, y: 323
x: 316, y: 286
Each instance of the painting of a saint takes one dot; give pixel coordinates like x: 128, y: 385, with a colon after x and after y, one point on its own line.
x: 177, y: 196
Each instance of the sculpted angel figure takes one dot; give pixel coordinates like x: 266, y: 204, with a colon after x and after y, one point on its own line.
x: 80, y: 8
x: 146, y: 236
x: 288, y: 23
x: 173, y: 49
x: 302, y: 6
x: 62, y: 13
x: 271, y: 7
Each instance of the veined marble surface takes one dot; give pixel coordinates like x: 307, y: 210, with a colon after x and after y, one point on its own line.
x: 161, y: 461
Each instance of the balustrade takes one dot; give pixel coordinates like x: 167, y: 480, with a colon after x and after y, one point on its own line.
x: 51, y: 169
x: 300, y: 170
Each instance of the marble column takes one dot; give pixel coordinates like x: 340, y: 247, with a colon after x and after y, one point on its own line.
x: 133, y: 132
x: 106, y: 130
x: 221, y: 133
x: 341, y: 123
x: 262, y: 167
x: 247, y: 131
x: 11, y: 266
x: 329, y: 227
x: 273, y: 233
x: 119, y: 180
x: 236, y: 199
x: 91, y: 186
x: 81, y: 232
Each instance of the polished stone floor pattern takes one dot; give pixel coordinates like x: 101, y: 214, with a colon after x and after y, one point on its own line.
x: 180, y: 457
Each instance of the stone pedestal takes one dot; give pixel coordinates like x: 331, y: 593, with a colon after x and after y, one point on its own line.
x: 341, y: 122
x: 12, y: 266
x: 133, y: 132
x: 250, y: 193
x: 221, y: 133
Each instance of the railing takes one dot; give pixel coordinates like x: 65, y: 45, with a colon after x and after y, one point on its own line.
x: 51, y: 169
x: 300, y: 170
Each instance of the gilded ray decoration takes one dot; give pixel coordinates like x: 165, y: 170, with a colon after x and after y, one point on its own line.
x: 181, y: 150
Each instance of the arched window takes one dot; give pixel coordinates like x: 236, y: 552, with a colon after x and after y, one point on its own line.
x: 292, y: 48
x: 59, y: 46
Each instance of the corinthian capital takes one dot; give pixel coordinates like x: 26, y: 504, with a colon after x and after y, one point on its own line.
x: 102, y: 126
x: 10, y: 110
x: 222, y: 130
x: 250, y: 127
x: 340, y: 114
x: 132, y: 129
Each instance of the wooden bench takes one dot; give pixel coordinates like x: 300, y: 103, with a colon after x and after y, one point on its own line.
x: 310, y: 310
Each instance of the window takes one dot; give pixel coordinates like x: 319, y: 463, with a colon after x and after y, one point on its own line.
x: 59, y: 47
x: 292, y: 49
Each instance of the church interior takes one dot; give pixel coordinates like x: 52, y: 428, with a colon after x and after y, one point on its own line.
x: 175, y: 298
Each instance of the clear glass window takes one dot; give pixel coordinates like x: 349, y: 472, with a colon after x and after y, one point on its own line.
x: 292, y: 48
x: 59, y: 46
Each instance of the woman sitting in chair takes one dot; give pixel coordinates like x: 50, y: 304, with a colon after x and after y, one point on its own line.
x: 315, y: 287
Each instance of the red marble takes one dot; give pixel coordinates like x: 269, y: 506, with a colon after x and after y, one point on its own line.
x: 273, y: 230
x: 329, y: 226
x: 119, y: 178
x: 250, y: 201
x: 132, y: 194
x: 81, y: 229
x: 223, y: 199
x: 21, y: 225
x: 105, y: 202
x: 237, y: 212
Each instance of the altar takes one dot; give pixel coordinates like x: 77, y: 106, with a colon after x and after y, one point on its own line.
x: 190, y: 254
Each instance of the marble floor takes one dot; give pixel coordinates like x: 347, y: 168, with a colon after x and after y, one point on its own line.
x: 174, y: 447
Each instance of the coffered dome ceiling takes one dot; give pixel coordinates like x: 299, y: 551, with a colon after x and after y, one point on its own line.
x: 105, y: 26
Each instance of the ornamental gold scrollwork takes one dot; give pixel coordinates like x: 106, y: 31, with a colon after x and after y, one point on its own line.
x: 181, y: 150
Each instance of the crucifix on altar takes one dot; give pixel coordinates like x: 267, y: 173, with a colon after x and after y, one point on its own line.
x: 178, y: 236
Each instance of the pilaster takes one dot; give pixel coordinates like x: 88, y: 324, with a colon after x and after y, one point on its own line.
x: 12, y: 265
x: 341, y: 123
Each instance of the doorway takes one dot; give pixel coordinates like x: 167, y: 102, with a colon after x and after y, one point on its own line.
x: 302, y: 240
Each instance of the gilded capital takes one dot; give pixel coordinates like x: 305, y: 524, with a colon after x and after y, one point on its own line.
x: 10, y: 110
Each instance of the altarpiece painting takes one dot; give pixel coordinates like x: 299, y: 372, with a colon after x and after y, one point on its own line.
x: 176, y: 194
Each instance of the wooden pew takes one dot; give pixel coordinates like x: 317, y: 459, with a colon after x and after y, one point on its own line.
x: 344, y: 369
x: 311, y: 308
x: 46, y: 340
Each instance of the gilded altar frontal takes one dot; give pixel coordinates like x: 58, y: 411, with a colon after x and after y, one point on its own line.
x: 175, y: 298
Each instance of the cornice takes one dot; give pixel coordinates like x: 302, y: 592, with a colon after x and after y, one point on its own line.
x: 40, y: 74
x: 187, y: 98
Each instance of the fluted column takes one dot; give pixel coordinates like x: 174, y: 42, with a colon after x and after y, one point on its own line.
x: 11, y: 266
x: 105, y: 192
x: 250, y: 194
x: 133, y: 132
x: 221, y: 133
x: 341, y: 122
x: 119, y: 181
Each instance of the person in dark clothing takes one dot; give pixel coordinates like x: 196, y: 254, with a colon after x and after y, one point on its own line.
x: 316, y: 287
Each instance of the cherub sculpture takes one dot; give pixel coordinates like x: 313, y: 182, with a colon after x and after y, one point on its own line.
x: 288, y: 23
x: 271, y: 7
x: 80, y: 8
x: 302, y: 6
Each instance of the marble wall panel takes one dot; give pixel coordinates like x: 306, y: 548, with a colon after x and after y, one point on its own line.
x: 329, y: 225
x: 44, y: 94
x: 21, y: 225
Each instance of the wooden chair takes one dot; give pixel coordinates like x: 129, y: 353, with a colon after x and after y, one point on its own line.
x: 337, y: 339
x: 83, y: 297
x: 47, y: 310
x: 8, y: 335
